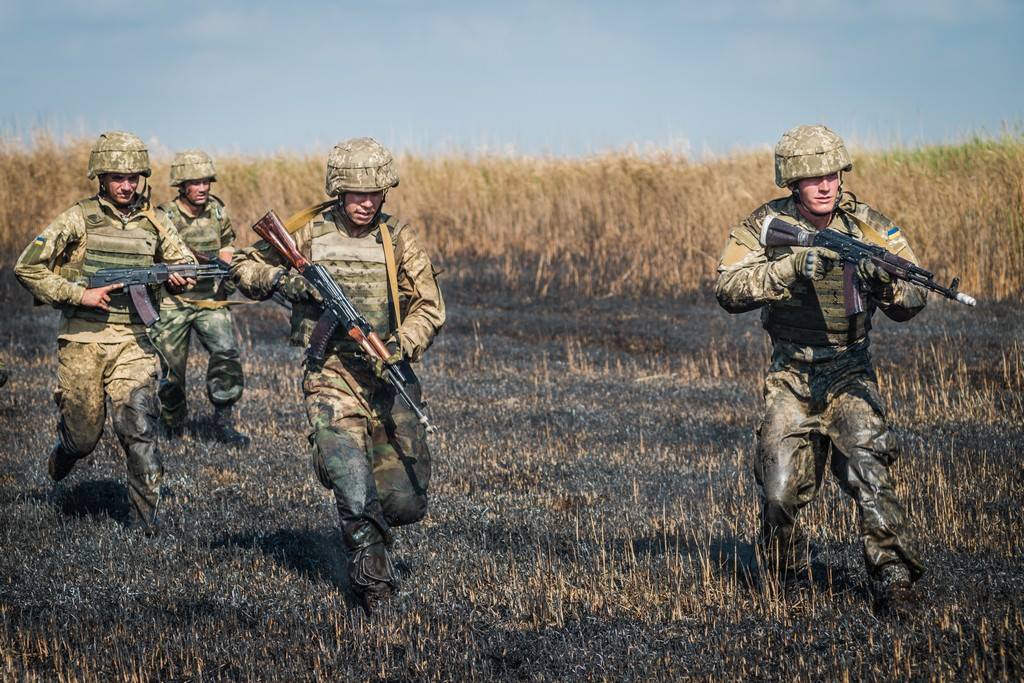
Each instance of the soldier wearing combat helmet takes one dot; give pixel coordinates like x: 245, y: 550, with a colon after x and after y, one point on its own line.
x: 368, y: 448
x: 821, y: 395
x: 203, y: 223
x: 103, y: 351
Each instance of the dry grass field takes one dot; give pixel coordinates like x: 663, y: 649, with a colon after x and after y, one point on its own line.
x: 612, y: 225
x: 593, y: 510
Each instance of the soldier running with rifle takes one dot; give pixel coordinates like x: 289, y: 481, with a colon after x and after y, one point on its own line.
x: 819, y: 264
x: 369, y: 441
x: 102, y: 348
x: 203, y: 222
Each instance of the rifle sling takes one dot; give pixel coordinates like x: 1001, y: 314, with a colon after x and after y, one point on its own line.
x: 296, y: 221
x: 392, y: 268
x: 871, y: 233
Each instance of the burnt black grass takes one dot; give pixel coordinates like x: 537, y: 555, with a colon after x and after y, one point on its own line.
x: 592, y: 514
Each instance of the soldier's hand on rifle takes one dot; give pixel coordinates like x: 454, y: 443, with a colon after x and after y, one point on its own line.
x: 297, y: 289
x: 176, y: 284
x: 814, y: 263
x: 874, y: 278
x: 379, y: 366
x: 99, y: 297
x: 872, y: 274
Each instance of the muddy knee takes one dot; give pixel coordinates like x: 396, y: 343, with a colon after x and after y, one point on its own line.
x: 401, y: 469
x: 403, y: 500
x: 134, y: 418
x: 338, y: 450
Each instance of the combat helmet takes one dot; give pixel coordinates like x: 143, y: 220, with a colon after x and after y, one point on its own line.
x: 360, y: 165
x: 809, y: 152
x: 119, y: 152
x: 192, y: 164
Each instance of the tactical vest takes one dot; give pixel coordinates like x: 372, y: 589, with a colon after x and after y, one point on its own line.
x: 357, y: 265
x: 816, y: 313
x: 108, y: 244
x: 203, y: 235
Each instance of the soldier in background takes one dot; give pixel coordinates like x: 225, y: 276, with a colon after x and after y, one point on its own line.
x: 821, y: 394
x: 368, y: 448
x: 102, y: 348
x: 203, y: 223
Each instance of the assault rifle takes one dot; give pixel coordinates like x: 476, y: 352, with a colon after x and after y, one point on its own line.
x: 137, y: 280
x: 779, y: 233
x: 338, y: 310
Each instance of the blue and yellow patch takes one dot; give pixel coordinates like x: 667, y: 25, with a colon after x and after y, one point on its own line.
x: 40, y: 240
x: 893, y: 231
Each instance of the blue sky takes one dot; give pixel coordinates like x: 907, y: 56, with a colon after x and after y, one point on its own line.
x: 564, y: 78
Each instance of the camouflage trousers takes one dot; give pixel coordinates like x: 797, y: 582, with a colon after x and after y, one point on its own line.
x: 814, y: 411
x: 88, y: 375
x: 370, y: 450
x: 172, y: 337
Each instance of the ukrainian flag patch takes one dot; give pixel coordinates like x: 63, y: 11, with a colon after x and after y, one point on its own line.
x: 40, y: 240
x: 893, y: 231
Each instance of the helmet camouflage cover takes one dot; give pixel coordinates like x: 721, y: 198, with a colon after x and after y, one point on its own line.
x: 809, y: 152
x: 360, y: 165
x: 119, y: 152
x: 192, y: 164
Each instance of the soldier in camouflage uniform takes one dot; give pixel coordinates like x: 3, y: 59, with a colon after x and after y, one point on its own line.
x: 821, y: 394
x: 368, y: 448
x: 203, y: 222
x: 103, y: 352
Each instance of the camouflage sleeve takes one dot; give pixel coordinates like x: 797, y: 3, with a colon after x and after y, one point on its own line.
x: 255, y: 269
x: 902, y: 301
x: 422, y: 303
x: 35, y: 267
x: 746, y: 278
x: 171, y: 248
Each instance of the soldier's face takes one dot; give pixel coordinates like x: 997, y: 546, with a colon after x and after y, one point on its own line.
x: 197, y: 192
x: 120, y: 188
x: 818, y: 195
x: 361, y: 207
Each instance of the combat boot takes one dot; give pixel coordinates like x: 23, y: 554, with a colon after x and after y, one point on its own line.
x: 894, y: 592
x: 60, y: 463
x: 372, y: 576
x: 224, y: 427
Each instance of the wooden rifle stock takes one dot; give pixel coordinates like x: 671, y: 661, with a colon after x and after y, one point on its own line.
x: 271, y: 229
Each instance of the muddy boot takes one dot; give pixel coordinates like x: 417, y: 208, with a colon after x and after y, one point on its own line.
x: 60, y: 462
x: 224, y: 427
x: 372, y: 576
x: 894, y: 592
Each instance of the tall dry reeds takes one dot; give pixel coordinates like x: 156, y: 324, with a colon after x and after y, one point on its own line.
x: 613, y: 224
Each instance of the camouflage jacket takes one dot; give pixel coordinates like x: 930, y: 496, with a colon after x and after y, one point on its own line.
x: 423, y: 311
x: 205, y: 235
x: 64, y: 240
x: 751, y: 277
